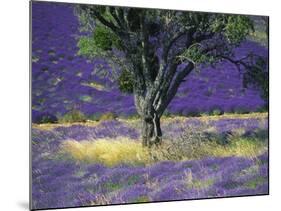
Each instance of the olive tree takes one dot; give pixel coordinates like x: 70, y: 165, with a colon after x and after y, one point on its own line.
x: 157, y: 49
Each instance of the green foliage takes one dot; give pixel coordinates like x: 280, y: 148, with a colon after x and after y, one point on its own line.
x: 258, y: 76
x: 241, y: 110
x: 102, y: 117
x: 142, y: 199
x: 95, y: 116
x: 200, y: 184
x: 85, y: 98
x: 133, y: 180
x: 86, y: 46
x: 213, y: 36
x: 108, y: 116
x: 111, y: 186
x: 216, y: 112
x: 253, y: 183
x: 101, y: 40
x: 237, y: 28
x: 47, y: 118
x: 73, y: 116
x: 262, y: 109
x: 194, y: 112
x: 195, y: 55
x: 105, y: 39
x: 35, y: 58
x: 261, y: 32
x: 125, y: 82
x: 234, y: 28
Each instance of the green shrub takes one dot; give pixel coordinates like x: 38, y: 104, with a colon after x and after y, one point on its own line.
x: 204, y: 114
x: 108, y: 116
x: 44, y: 117
x: 262, y: 109
x: 216, y: 112
x: 73, y: 116
x: 95, y: 116
x: 125, y: 82
x: 194, y: 143
x: 133, y: 117
x: 241, y: 110
x: 191, y: 113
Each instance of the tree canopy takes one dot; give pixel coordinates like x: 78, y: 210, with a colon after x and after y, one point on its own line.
x: 154, y: 50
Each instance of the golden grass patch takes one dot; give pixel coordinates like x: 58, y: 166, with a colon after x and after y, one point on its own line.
x: 241, y: 147
x: 112, y: 152
x: 51, y: 126
x: 107, y: 151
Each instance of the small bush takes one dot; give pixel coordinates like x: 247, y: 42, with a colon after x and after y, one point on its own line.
x: 194, y: 112
x: 108, y: 116
x: 202, y: 114
x: 241, y: 110
x: 43, y: 117
x: 73, y: 116
x: 196, y: 143
x: 61, y: 56
x: 260, y: 134
x: 51, y: 52
x: 216, y: 112
x: 262, y: 109
x: 95, y: 116
x: 125, y: 82
x: 131, y: 117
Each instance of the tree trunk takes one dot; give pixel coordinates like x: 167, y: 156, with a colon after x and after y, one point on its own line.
x: 151, y: 130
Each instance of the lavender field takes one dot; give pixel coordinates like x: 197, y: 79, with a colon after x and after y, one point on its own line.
x: 62, y: 81
x: 62, y: 180
x: 87, y: 134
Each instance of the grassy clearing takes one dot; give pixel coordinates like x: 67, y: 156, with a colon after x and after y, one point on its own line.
x: 124, y: 150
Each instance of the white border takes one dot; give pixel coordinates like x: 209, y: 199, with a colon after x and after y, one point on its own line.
x: 14, y: 110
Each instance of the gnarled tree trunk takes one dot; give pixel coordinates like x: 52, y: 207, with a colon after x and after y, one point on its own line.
x: 151, y: 129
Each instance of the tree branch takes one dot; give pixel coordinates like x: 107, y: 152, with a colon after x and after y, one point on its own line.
x: 145, y: 48
x: 168, y: 47
x: 174, y: 87
x: 107, y: 23
x: 114, y: 14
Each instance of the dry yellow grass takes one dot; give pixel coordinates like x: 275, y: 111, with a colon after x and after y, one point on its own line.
x: 50, y: 126
x: 112, y: 152
x: 218, y: 117
x: 171, y: 119
x: 241, y: 147
x: 107, y: 151
x: 125, y: 150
